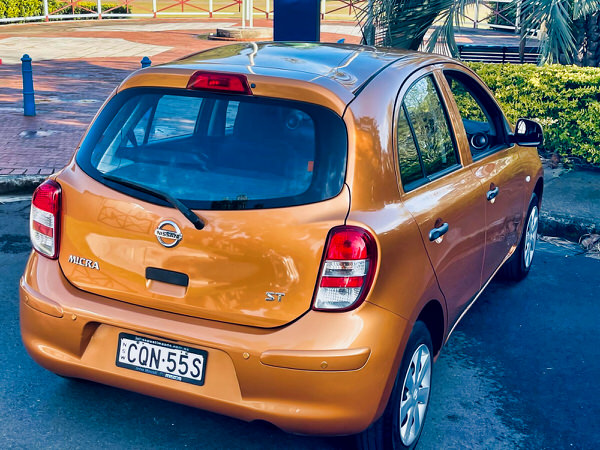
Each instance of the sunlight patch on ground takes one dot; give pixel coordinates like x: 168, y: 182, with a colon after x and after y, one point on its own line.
x: 169, y: 26
x: 40, y: 48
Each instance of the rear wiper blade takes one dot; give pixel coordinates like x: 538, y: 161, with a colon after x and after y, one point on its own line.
x: 187, y: 212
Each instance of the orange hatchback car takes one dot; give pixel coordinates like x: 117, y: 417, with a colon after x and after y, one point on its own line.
x: 281, y: 232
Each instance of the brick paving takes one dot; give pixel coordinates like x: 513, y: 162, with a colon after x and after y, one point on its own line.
x: 68, y: 94
x: 70, y: 91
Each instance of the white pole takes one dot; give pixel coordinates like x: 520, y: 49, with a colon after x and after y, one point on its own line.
x: 243, y: 13
x: 154, y: 8
x: 476, y: 21
x: 46, y: 9
x: 210, y: 8
x: 251, y: 12
x: 518, y: 19
x: 268, y: 8
x: 323, y: 8
x: 99, y: 8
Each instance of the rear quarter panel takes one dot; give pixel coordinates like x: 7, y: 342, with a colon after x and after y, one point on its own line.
x: 404, y: 281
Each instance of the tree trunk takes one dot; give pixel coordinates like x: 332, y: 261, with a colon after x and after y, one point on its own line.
x: 522, y: 43
x: 587, y: 34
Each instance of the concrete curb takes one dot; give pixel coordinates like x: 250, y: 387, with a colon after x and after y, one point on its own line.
x: 566, y: 226
x: 20, y: 184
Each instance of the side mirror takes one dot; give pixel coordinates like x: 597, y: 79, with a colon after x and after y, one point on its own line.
x: 528, y: 133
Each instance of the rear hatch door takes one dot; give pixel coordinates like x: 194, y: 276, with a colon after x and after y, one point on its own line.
x: 265, y: 176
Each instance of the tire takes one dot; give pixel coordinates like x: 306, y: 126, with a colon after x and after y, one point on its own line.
x: 392, y: 431
x: 518, y: 265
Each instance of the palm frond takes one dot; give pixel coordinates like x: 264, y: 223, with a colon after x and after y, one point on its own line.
x: 442, y: 40
x: 583, y: 8
x: 460, y: 7
x: 399, y: 23
x: 553, y: 17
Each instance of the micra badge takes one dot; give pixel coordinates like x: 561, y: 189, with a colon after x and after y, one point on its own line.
x: 84, y: 262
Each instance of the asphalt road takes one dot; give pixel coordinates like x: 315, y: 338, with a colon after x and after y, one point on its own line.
x: 522, y: 370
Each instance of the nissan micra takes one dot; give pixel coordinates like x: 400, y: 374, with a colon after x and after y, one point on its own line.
x: 281, y: 232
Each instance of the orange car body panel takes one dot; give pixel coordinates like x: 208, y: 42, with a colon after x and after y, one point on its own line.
x: 305, y: 371
x: 275, y: 383
x: 231, y: 263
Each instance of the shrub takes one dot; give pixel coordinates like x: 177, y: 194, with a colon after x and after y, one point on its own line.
x: 20, y: 8
x: 564, y: 99
x: 85, y: 7
x: 30, y: 8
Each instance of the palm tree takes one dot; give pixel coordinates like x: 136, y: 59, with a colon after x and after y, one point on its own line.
x: 569, y: 29
x: 587, y: 36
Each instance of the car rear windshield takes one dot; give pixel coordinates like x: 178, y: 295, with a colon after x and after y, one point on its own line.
x: 216, y: 151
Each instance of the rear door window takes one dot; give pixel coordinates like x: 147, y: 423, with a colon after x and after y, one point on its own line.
x: 431, y: 130
x: 219, y: 151
x: 154, y: 122
x: 165, y: 124
x: 411, y: 169
x: 426, y: 147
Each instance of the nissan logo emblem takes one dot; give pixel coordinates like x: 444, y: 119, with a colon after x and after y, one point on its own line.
x: 168, y: 233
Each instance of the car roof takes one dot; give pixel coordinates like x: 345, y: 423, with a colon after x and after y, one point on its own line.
x: 349, y: 65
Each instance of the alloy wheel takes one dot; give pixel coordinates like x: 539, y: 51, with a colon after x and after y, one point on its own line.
x: 531, y: 236
x: 415, y: 395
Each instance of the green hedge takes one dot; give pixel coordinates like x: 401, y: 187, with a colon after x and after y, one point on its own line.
x: 53, y: 5
x: 31, y: 8
x: 20, y: 8
x: 564, y: 99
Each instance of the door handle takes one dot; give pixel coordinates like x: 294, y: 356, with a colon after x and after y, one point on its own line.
x: 492, y: 193
x: 438, y: 232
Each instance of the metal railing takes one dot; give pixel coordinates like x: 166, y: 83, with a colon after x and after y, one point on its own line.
x: 498, y: 54
x: 247, y: 10
x: 483, y: 11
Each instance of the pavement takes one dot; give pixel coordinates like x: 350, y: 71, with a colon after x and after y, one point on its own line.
x: 571, y: 203
x: 520, y: 371
x: 77, y: 64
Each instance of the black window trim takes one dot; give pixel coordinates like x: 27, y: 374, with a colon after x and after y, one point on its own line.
x: 150, y: 120
x: 439, y: 174
x: 416, y: 142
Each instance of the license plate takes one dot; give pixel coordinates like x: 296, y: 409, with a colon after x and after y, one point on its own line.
x: 162, y: 359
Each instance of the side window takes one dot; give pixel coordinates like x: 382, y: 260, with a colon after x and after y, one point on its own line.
x: 139, y: 131
x: 481, y: 118
x: 425, y: 144
x: 430, y: 126
x: 230, y: 115
x: 175, y: 116
x: 148, y: 120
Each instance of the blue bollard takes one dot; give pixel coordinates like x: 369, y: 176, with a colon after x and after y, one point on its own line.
x: 145, y: 62
x: 28, y: 93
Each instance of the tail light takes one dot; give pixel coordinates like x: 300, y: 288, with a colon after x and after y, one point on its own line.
x: 347, y: 271
x: 44, y: 220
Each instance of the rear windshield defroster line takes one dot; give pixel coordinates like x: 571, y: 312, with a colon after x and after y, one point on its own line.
x: 216, y: 151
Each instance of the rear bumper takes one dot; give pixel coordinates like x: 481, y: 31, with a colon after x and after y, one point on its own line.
x: 326, y: 373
